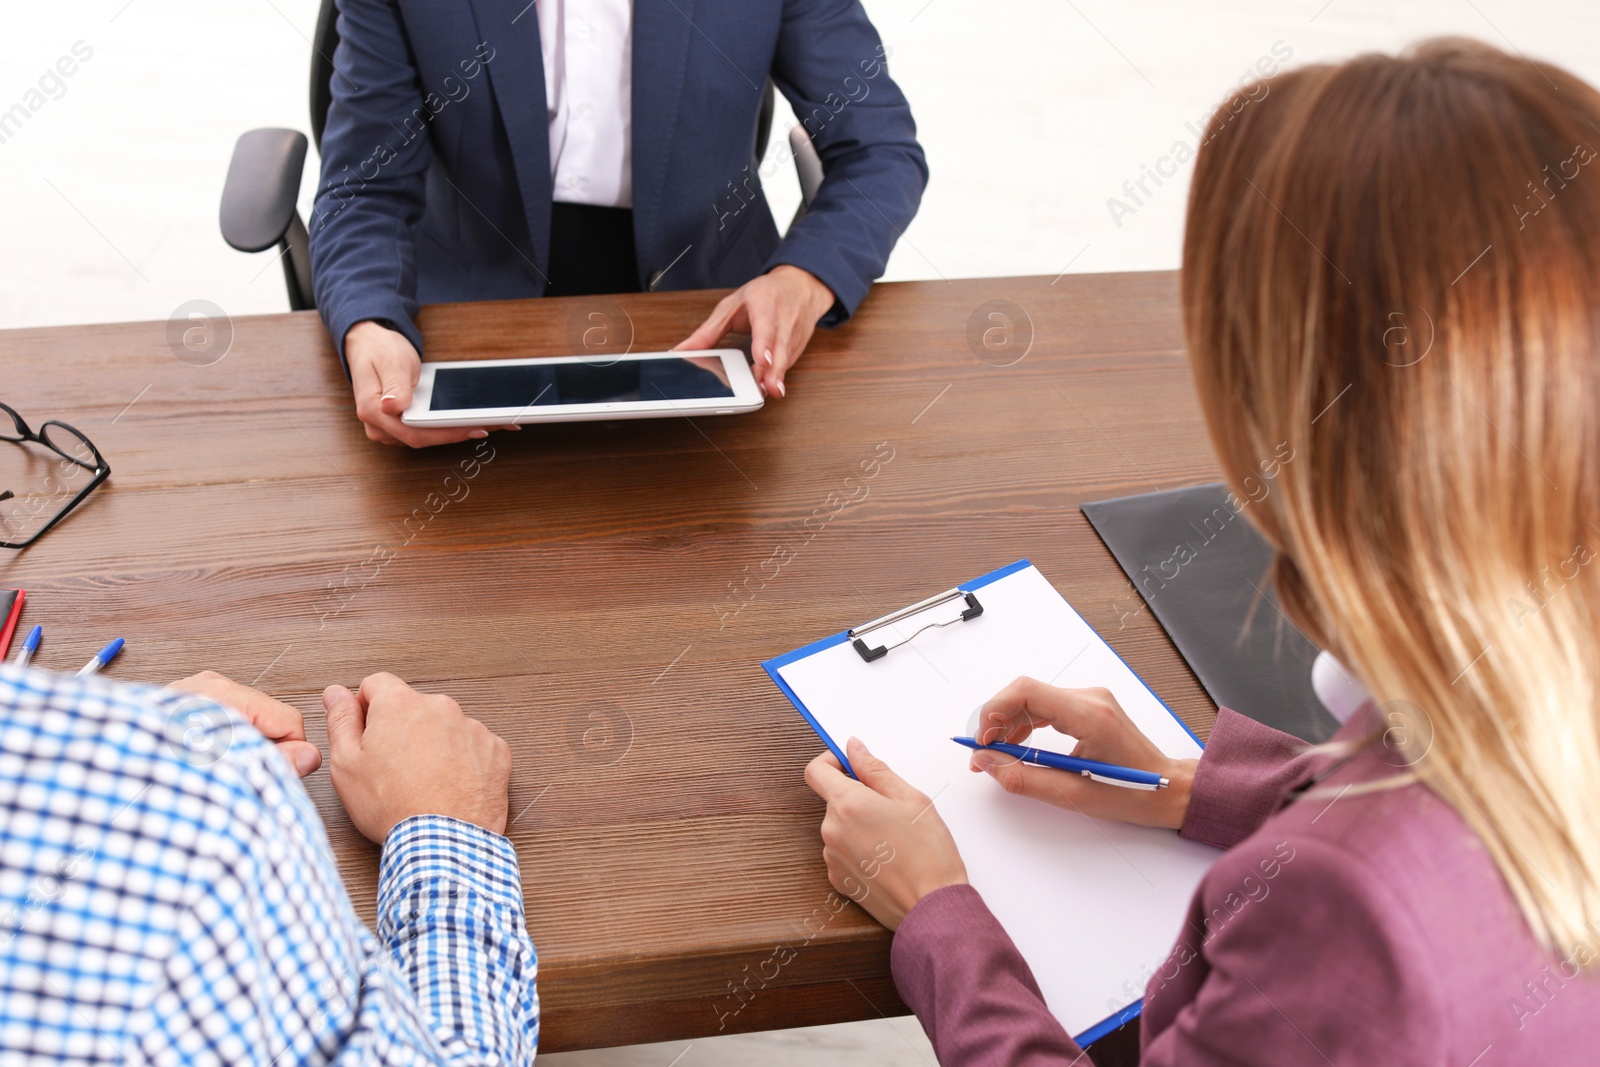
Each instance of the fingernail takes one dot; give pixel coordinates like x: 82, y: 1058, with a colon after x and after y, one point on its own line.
x: 779, y: 387
x: 478, y: 433
x: 985, y: 761
x: 767, y: 355
x: 388, y: 396
x: 305, y: 761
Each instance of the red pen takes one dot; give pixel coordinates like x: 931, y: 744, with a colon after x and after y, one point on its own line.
x: 10, y: 611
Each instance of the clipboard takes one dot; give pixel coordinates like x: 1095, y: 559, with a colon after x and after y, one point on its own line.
x: 1093, y: 906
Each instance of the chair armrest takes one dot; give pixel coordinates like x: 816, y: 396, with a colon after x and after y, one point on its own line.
x: 258, y: 199
x: 807, y: 164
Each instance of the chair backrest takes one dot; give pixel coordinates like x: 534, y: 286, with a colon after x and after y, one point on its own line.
x: 323, y: 43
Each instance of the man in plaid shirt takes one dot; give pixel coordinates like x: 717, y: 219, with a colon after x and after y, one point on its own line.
x: 167, y: 894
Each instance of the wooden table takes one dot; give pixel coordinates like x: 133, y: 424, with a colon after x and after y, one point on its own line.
x: 601, y: 595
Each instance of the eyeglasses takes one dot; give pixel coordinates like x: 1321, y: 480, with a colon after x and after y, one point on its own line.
x: 65, y: 441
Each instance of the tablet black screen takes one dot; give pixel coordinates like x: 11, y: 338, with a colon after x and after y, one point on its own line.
x: 546, y: 385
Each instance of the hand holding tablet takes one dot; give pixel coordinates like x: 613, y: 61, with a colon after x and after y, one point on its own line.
x: 384, y: 367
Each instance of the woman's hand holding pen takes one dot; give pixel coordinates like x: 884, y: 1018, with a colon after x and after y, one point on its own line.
x: 1103, y: 732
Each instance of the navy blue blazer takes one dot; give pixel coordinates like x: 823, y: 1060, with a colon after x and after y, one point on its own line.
x: 436, y: 156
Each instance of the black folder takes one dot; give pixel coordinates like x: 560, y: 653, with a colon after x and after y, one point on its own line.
x: 1202, y: 571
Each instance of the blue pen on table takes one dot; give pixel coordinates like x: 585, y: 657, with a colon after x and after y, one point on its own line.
x: 1109, y: 773
x: 101, y: 658
x: 29, y: 646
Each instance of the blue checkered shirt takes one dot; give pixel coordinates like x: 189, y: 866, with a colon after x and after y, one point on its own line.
x: 167, y: 896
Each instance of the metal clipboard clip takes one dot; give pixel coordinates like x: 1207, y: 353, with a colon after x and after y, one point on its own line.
x: 868, y: 653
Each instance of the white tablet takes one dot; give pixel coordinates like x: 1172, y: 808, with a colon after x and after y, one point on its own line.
x: 638, y: 385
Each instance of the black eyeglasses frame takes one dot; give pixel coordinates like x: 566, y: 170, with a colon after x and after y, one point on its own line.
x: 24, y: 434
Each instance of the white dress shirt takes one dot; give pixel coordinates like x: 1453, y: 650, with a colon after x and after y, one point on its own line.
x: 588, y: 83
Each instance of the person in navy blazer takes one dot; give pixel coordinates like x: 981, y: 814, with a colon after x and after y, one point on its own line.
x: 437, y: 171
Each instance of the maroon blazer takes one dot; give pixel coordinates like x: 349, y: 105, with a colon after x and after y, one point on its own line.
x: 1339, y: 928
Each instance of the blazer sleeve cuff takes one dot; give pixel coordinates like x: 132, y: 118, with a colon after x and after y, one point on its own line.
x: 941, y: 929
x: 974, y: 994
x: 1242, y: 777
x: 389, y: 311
x: 829, y: 266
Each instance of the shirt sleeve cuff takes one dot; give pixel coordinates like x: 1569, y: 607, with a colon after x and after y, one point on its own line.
x: 437, y: 848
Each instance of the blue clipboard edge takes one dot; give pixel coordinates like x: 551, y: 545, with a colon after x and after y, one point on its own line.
x: 1137, y: 675
x: 1111, y: 1022
x: 772, y: 666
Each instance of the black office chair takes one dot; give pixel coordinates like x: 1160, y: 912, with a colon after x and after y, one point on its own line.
x: 263, y: 184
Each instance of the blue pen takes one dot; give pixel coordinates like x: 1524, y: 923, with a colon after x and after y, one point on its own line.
x: 101, y: 658
x: 1109, y: 773
x: 29, y: 647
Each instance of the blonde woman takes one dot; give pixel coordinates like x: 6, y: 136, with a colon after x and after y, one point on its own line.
x: 1393, y: 265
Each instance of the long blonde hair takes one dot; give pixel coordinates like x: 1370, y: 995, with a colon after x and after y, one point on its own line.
x: 1393, y: 266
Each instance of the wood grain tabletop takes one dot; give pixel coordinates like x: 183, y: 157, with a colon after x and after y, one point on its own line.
x: 602, y: 594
